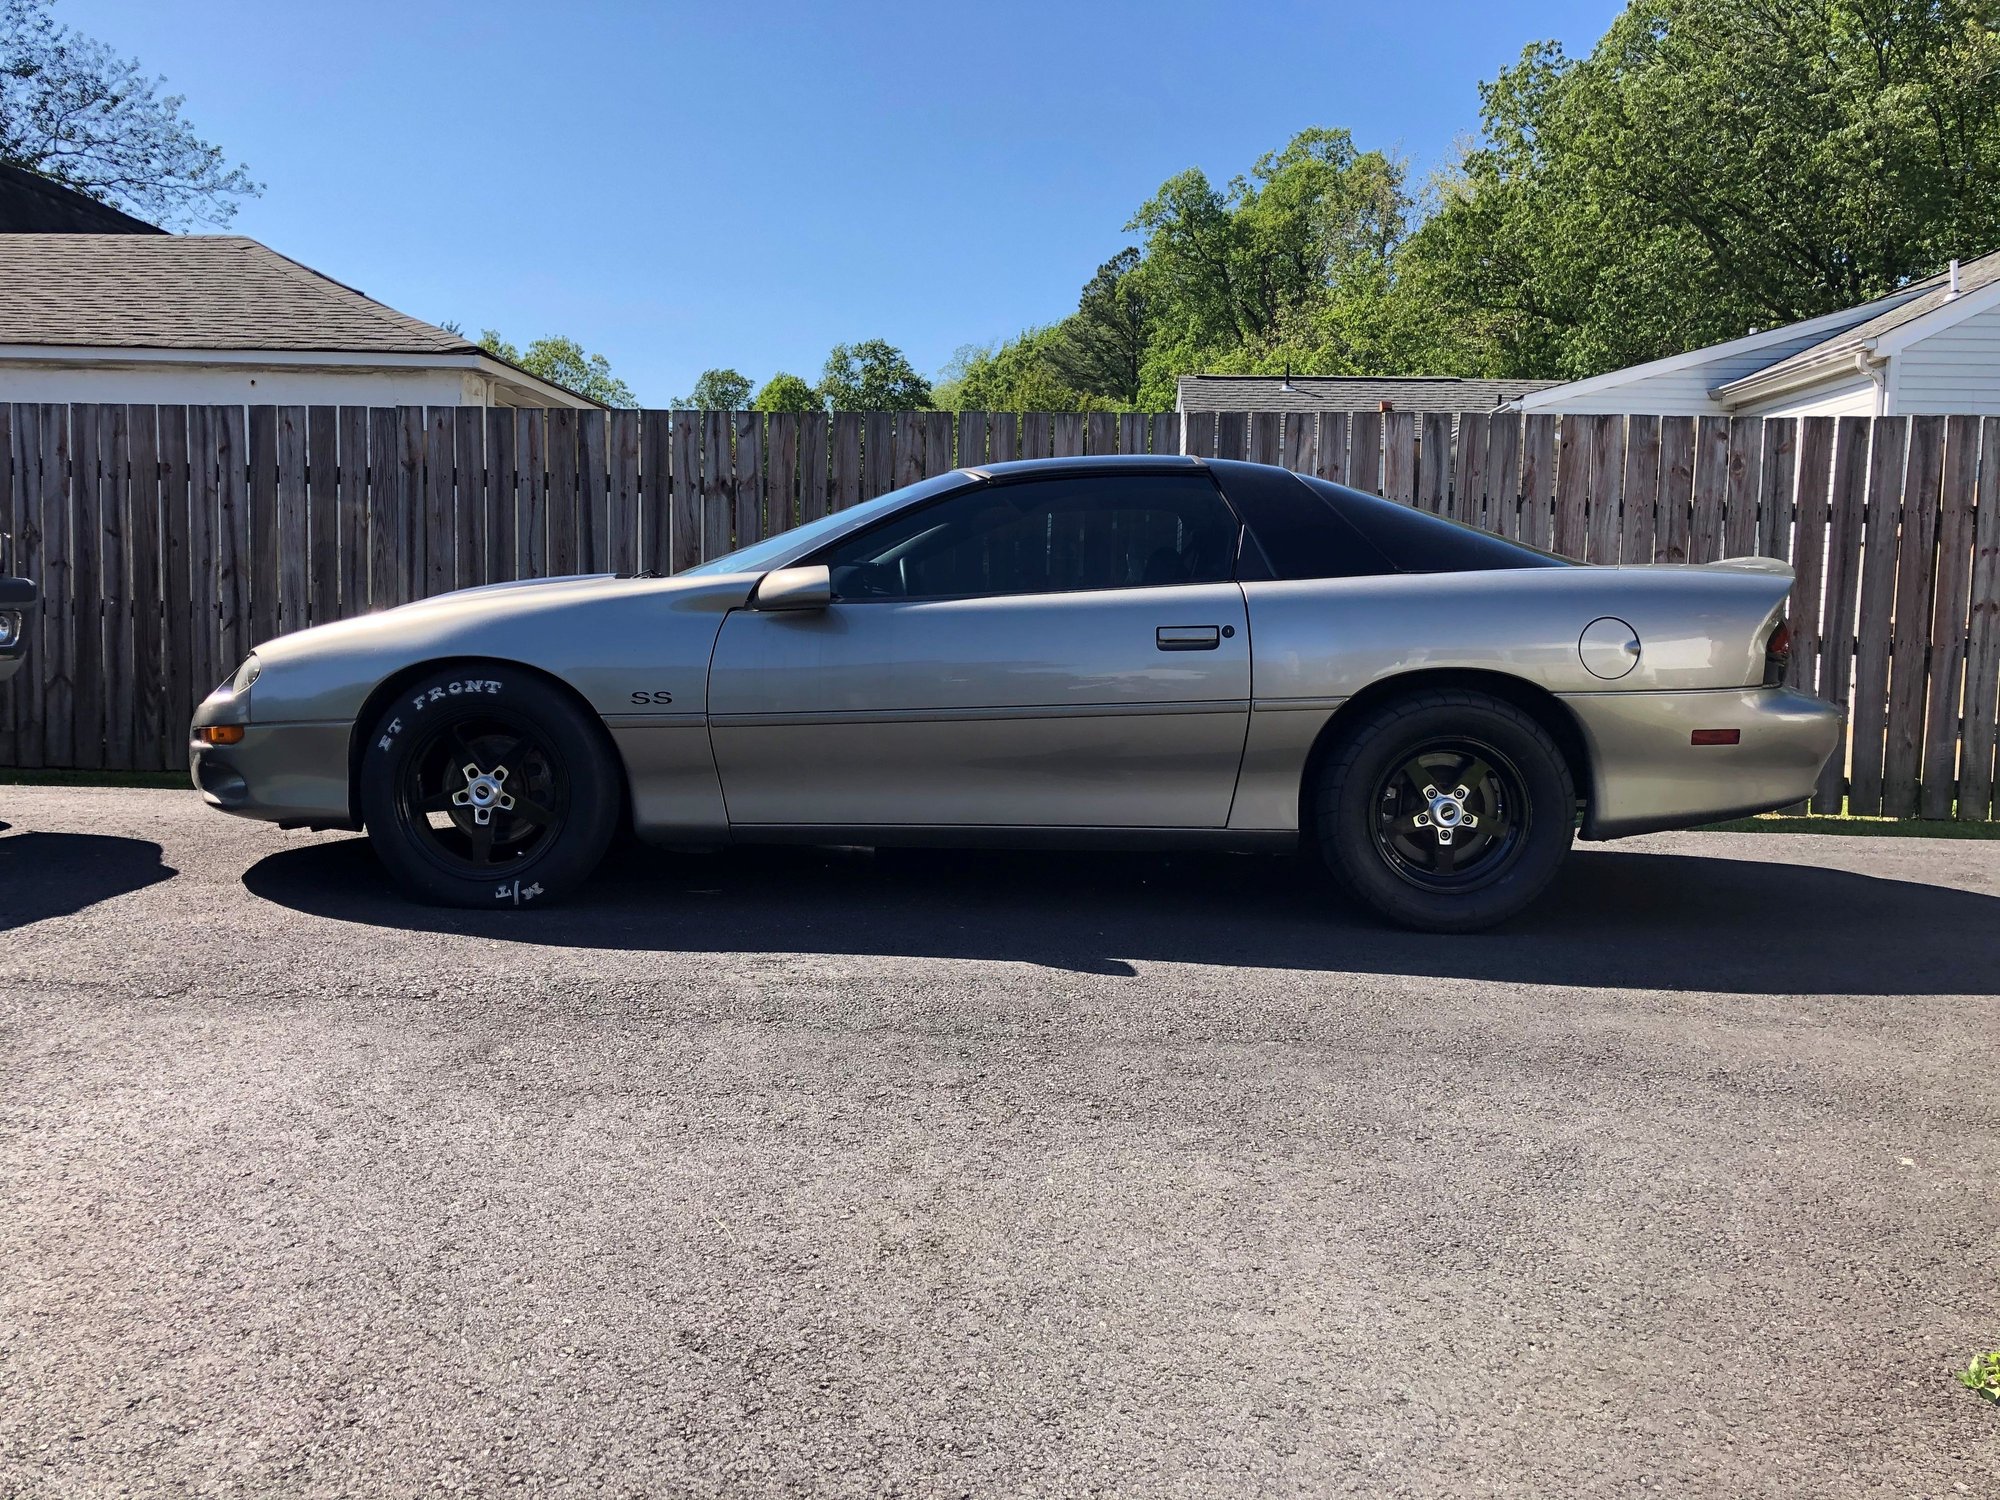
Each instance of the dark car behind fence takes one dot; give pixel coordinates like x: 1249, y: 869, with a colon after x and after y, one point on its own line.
x: 167, y: 540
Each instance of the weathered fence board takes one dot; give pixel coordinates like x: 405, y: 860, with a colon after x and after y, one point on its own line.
x: 686, y: 504
x: 1642, y: 489
x: 1607, y: 481
x: 1399, y: 456
x: 1572, y: 487
x: 143, y: 529
x: 1951, y: 584
x: 475, y: 510
x: 1982, y: 665
x: 1910, y: 629
x: 748, y: 482
x: 285, y: 580
x: 1878, y: 591
x: 1815, y: 455
x: 1468, y: 487
x: 1846, y: 517
x: 115, y: 639
x: 168, y: 540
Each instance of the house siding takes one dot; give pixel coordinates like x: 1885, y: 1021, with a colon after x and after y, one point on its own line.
x: 1956, y: 369
x: 1852, y: 395
x: 198, y: 384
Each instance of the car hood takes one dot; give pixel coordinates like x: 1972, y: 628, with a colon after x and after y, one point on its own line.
x: 437, y: 620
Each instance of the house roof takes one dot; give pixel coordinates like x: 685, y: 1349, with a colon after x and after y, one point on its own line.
x: 209, y: 291
x: 1917, y: 300
x: 1412, y: 393
x: 33, y: 204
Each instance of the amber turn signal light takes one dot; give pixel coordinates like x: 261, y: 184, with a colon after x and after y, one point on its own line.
x: 1716, y: 737
x: 220, y: 734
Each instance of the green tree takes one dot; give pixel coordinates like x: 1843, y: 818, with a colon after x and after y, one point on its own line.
x: 717, y: 390
x: 1710, y: 166
x: 561, y: 361
x: 1263, y: 271
x: 872, y: 376
x: 1101, y: 347
x: 73, y: 110
x: 1018, y: 375
x: 784, y: 392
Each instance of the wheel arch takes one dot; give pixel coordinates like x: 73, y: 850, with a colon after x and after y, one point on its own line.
x: 385, y: 691
x: 1532, y: 699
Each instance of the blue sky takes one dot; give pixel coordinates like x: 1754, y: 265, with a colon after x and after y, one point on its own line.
x: 685, y: 185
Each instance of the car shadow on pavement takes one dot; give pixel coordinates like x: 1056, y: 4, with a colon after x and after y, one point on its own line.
x: 1618, y: 919
x: 45, y: 875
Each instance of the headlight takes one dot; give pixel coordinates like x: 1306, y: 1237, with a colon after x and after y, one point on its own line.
x: 10, y: 628
x: 246, y: 674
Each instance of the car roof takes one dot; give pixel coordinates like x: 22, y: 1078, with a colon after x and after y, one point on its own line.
x: 1096, y: 463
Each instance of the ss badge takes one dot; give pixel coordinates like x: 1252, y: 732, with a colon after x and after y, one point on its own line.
x: 643, y: 699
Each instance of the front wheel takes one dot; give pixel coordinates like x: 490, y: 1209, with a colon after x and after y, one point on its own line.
x: 485, y: 786
x: 1446, y: 811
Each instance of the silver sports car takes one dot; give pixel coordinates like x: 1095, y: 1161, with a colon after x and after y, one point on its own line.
x: 1060, y: 653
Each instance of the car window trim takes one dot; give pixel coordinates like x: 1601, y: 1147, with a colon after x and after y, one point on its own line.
x: 1002, y: 481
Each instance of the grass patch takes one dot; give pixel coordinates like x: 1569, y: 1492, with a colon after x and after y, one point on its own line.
x: 1982, y: 1376
x: 1848, y: 823
x: 170, y: 780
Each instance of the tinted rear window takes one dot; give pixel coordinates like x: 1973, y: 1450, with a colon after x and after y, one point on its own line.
x: 1415, y: 541
x: 1297, y: 534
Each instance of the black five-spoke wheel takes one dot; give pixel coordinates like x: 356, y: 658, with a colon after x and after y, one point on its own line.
x: 488, y: 792
x: 487, y: 785
x: 1449, y: 815
x: 1446, y: 810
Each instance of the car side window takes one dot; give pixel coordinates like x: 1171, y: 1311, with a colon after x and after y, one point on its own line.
x: 1064, y: 534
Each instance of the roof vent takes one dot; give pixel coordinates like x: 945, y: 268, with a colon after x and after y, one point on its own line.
x: 1954, y: 281
x: 1287, y: 387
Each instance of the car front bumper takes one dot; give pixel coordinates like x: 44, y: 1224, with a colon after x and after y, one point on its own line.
x: 18, y: 604
x: 295, y: 775
x: 1647, y: 775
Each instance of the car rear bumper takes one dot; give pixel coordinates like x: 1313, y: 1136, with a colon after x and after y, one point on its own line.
x: 291, y: 774
x: 1646, y: 775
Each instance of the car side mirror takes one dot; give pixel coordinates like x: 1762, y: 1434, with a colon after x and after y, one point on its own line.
x: 794, y: 588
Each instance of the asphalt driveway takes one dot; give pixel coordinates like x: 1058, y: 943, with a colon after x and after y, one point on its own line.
x: 948, y: 1174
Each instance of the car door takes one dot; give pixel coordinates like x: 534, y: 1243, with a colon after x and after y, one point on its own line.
x: 1063, y: 651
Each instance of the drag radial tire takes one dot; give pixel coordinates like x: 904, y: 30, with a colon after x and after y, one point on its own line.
x: 483, y: 785
x: 1445, y: 810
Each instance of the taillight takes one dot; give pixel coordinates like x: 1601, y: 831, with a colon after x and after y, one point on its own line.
x: 1778, y: 655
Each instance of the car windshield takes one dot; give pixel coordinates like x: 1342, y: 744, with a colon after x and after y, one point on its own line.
x: 759, y: 556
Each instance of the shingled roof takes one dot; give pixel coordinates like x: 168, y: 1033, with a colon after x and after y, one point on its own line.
x: 33, y: 204
x: 207, y: 291
x: 1919, y: 299
x: 1413, y: 393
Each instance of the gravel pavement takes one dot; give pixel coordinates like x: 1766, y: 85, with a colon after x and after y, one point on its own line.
x: 833, y: 1173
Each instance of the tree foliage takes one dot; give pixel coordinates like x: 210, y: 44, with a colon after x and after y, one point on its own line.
x: 562, y: 361
x: 784, y: 392
x: 1287, y: 266
x: 1710, y: 166
x: 74, y: 111
x: 873, y: 375
x: 1018, y: 375
x: 717, y: 390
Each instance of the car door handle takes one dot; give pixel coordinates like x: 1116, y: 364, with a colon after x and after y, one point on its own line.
x: 1188, y: 637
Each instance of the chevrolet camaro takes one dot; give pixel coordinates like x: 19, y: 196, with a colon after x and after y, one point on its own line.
x: 1067, y: 653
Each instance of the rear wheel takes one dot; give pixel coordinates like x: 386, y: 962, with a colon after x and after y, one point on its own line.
x: 1446, y: 811
x: 485, y: 786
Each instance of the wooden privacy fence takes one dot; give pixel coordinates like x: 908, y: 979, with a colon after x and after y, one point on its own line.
x: 168, y: 540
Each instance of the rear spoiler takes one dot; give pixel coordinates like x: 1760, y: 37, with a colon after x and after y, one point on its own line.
x: 1776, y: 567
